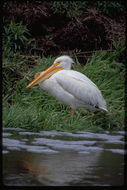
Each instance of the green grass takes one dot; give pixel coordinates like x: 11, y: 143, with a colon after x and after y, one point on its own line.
x: 34, y: 110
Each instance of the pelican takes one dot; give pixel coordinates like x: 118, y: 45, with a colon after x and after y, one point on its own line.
x: 70, y: 87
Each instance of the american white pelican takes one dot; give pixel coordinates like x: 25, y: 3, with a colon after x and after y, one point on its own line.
x: 70, y: 87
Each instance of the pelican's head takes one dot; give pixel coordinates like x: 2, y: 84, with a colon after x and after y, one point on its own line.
x: 62, y: 62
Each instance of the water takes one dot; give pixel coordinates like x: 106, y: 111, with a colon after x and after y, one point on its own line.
x: 51, y: 158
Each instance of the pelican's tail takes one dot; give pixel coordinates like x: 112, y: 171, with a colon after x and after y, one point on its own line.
x: 103, y: 108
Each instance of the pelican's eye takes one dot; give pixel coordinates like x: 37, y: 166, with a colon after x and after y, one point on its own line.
x: 57, y: 63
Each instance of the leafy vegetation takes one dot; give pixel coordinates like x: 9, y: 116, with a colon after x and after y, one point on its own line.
x: 59, y: 26
x: 111, y: 8
x: 14, y: 38
x: 33, y: 109
x: 71, y: 8
x: 76, y: 8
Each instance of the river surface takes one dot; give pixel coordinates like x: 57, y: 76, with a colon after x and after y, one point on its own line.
x: 52, y: 158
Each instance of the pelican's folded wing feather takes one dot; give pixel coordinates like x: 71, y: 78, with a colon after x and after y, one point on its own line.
x: 81, y: 87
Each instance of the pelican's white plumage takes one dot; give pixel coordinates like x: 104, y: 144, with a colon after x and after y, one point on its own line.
x: 71, y: 87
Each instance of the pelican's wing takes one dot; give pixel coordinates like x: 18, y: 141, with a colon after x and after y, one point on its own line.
x: 79, y: 76
x: 80, y: 87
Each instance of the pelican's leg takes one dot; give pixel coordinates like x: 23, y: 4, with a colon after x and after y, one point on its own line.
x: 72, y: 112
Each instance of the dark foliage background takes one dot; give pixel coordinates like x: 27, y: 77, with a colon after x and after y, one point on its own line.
x: 62, y: 26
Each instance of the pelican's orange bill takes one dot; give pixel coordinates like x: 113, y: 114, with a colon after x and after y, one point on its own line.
x: 44, y: 75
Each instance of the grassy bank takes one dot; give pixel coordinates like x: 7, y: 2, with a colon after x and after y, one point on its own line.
x: 33, y: 109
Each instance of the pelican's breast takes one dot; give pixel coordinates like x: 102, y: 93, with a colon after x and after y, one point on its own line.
x: 55, y: 89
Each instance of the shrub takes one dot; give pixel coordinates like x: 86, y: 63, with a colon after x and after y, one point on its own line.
x: 14, y: 38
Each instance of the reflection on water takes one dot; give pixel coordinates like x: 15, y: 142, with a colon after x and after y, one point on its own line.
x: 51, y: 158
